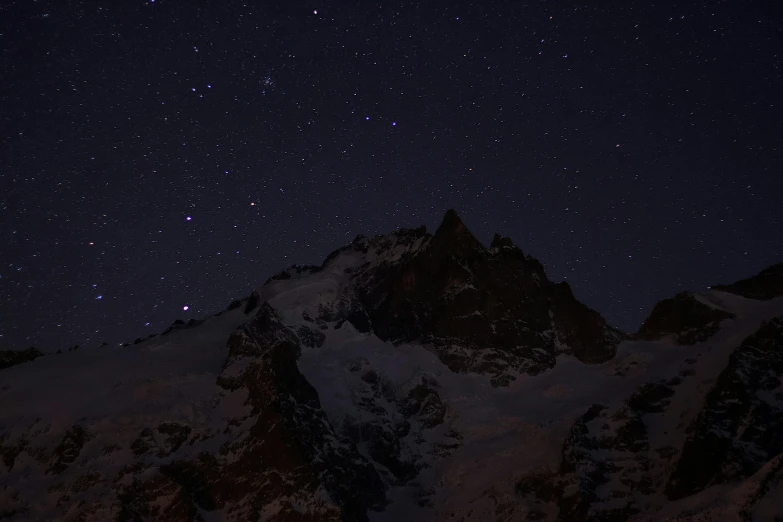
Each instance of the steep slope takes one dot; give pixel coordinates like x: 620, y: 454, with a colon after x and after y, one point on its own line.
x: 10, y: 358
x: 685, y: 317
x: 483, y: 310
x: 701, y: 418
x: 767, y: 284
x: 411, y: 376
x: 740, y: 428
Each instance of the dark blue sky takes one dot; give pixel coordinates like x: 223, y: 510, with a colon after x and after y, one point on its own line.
x: 636, y: 150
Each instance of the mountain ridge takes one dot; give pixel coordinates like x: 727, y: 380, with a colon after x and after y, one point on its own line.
x: 410, y: 375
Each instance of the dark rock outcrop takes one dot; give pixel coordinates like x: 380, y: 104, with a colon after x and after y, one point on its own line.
x: 252, y: 302
x: 168, y: 439
x: 287, y: 451
x: 604, y: 446
x: 765, y: 285
x: 739, y: 429
x: 236, y: 303
x: 685, y: 318
x: 69, y: 449
x: 490, y: 311
x: 10, y: 358
x: 391, y: 423
x: 252, y: 439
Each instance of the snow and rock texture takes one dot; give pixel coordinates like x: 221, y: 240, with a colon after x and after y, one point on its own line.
x: 740, y: 427
x: 767, y: 284
x: 412, y: 376
x: 482, y: 310
x: 10, y: 358
x: 685, y: 317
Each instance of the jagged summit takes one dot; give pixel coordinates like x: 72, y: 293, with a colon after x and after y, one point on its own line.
x: 501, y: 241
x: 410, y: 376
x: 451, y: 221
x: 453, y: 237
x: 489, y: 311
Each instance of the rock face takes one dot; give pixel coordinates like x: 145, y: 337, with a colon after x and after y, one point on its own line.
x: 489, y: 311
x: 739, y: 429
x: 10, y: 358
x: 411, y: 376
x: 282, y: 458
x: 767, y: 284
x: 291, y: 436
x: 685, y: 318
x: 619, y: 463
x: 608, y: 468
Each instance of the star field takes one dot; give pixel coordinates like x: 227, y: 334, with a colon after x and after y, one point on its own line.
x: 162, y: 158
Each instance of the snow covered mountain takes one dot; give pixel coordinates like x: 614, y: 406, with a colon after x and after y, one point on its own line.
x: 411, y: 377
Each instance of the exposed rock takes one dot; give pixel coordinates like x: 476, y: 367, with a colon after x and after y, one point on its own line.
x: 252, y: 302
x: 767, y: 284
x: 685, y: 318
x: 486, y: 311
x: 291, y: 436
x: 68, y: 450
x: 424, y: 367
x: 177, y: 324
x: 311, y: 337
x: 10, y: 358
x: 424, y: 403
x: 9, y: 452
x: 606, y: 471
x: 163, y: 441
x: 236, y: 303
x: 581, y: 330
x: 499, y: 241
x: 739, y: 429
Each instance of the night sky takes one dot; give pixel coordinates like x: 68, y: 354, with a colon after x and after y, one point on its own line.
x: 157, y: 155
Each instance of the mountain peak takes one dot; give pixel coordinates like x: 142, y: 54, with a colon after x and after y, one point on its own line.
x: 451, y: 217
x: 452, y: 224
x: 685, y: 317
x: 453, y: 233
x: 501, y: 241
x: 335, y: 391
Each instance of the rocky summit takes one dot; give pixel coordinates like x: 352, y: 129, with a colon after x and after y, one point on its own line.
x: 411, y: 376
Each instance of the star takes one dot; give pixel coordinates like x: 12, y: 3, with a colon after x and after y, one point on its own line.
x: 158, y: 149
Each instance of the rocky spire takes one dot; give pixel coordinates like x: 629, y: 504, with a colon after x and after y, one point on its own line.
x: 501, y: 241
x: 453, y: 236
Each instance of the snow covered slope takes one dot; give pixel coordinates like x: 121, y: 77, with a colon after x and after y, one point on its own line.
x: 411, y: 377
